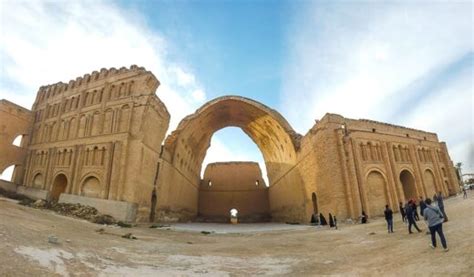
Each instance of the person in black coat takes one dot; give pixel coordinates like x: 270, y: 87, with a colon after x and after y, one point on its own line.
x: 402, y: 212
x: 411, y: 217
x: 415, y: 210
x: 389, y: 218
x: 422, y: 205
x: 322, y: 219
x: 331, y: 221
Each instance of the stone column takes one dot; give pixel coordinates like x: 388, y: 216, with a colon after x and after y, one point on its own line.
x: 419, y: 185
x: 400, y: 193
x: 438, y: 175
x: 343, y: 160
x: 391, y: 186
x: 359, y: 172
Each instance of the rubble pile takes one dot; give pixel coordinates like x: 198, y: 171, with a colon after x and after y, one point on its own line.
x: 76, y: 210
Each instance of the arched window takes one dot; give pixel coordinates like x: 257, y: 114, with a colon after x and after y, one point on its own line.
x: 7, y: 174
x: 17, y: 141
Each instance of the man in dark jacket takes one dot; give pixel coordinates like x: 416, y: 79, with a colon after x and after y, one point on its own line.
x: 411, y: 217
x: 389, y: 218
x: 402, y: 212
x: 439, y: 200
x: 415, y: 210
x: 422, y: 205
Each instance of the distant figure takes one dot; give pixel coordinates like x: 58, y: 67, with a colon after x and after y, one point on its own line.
x: 389, y: 218
x: 435, y: 199
x: 363, y: 218
x: 331, y: 221
x: 415, y: 211
x: 335, y: 222
x: 402, y: 212
x: 411, y: 217
x: 434, y: 218
x: 322, y: 219
x: 464, y: 191
x: 439, y: 200
x: 422, y: 205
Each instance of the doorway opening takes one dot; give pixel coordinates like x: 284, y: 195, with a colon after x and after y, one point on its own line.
x: 59, y: 186
x: 408, y: 184
x: 314, y: 198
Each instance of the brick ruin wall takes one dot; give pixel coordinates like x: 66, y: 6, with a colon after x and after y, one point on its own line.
x: 100, y: 136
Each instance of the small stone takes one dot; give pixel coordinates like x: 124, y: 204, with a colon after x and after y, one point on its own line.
x: 53, y: 239
x: 205, y: 232
x: 124, y: 225
x: 371, y: 233
x: 129, y: 236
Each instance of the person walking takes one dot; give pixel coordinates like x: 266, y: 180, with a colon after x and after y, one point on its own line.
x: 402, y: 212
x: 434, y: 218
x: 417, y: 217
x: 389, y: 218
x: 411, y: 217
x: 439, y: 200
x: 422, y: 205
x: 464, y: 193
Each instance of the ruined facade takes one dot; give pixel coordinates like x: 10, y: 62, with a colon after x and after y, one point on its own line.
x: 101, y: 136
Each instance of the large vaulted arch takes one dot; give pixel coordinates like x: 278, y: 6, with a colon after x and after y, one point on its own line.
x: 266, y: 127
x: 185, y: 148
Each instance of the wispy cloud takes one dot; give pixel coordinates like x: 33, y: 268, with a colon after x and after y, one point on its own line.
x: 46, y: 42
x: 408, y: 63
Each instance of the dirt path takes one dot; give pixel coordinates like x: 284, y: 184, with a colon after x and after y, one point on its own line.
x: 25, y: 251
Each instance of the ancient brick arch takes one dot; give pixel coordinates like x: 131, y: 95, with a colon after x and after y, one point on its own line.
x: 185, y: 149
x: 274, y: 136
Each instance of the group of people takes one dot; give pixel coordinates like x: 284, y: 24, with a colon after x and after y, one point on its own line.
x: 321, y: 220
x: 434, y: 215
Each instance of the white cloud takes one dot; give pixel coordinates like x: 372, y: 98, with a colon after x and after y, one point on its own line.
x: 47, y: 42
x: 361, y: 60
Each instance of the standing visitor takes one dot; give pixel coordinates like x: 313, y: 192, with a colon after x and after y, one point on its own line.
x: 331, y: 221
x: 411, y: 217
x: 434, y: 218
x: 402, y: 212
x: 439, y: 200
x: 422, y: 205
x: 322, y: 220
x: 413, y: 202
x: 389, y: 218
x: 464, y: 191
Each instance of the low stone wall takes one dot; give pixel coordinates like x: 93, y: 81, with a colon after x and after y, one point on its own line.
x: 33, y: 193
x: 122, y: 211
x: 8, y: 186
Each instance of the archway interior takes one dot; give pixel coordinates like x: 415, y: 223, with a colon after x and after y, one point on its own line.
x: 268, y: 129
x: 59, y: 186
x: 408, y: 184
x: 185, y: 150
x: 230, y: 144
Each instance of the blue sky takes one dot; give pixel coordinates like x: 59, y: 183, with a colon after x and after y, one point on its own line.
x: 404, y: 62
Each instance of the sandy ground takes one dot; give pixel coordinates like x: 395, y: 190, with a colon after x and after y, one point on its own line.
x: 272, y: 249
